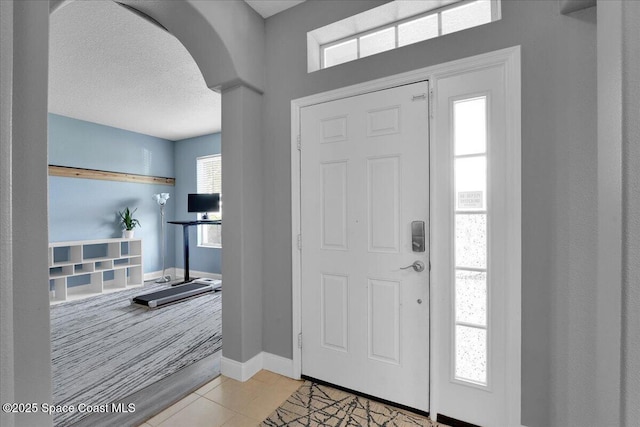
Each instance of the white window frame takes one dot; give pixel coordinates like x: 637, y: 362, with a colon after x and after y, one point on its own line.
x: 488, y: 327
x: 495, y: 15
x: 211, y: 215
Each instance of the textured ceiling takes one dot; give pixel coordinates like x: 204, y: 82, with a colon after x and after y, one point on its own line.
x: 110, y: 66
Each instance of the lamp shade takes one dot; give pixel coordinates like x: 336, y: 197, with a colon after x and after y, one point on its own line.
x: 161, y: 198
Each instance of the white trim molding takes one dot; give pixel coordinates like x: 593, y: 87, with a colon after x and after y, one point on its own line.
x: 510, y: 59
x: 244, y: 371
x: 241, y: 371
x: 152, y: 275
x: 501, y: 405
x: 179, y: 272
x: 279, y: 365
x: 156, y: 274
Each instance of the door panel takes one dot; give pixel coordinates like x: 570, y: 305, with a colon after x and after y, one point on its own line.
x: 383, y: 186
x: 334, y: 205
x: 384, y: 321
x: 335, y: 311
x: 364, y: 179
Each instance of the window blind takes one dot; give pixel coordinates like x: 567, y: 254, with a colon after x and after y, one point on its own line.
x: 209, y: 180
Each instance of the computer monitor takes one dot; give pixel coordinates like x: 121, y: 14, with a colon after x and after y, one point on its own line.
x: 203, y: 202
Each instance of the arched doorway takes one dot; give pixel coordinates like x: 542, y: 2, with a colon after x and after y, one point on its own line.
x: 230, y: 64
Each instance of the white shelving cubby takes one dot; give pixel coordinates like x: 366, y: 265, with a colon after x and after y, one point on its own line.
x: 85, y: 268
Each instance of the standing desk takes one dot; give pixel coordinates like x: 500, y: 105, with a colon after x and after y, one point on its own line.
x: 185, y: 233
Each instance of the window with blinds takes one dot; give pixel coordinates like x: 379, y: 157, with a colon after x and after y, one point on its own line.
x: 209, y: 180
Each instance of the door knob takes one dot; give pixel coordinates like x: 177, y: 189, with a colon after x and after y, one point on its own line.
x: 417, y: 266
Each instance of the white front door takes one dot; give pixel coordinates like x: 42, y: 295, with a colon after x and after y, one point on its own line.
x: 364, y: 195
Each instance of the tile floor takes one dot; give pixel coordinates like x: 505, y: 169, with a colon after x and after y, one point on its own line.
x: 225, y: 402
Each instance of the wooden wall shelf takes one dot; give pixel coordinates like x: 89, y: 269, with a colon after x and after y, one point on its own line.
x: 71, y: 172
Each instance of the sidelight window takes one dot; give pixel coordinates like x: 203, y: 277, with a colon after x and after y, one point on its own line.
x: 471, y: 287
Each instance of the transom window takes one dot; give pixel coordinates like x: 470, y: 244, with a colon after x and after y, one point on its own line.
x: 429, y: 19
x: 209, y: 180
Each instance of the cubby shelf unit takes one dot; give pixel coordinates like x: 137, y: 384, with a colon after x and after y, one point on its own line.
x: 85, y: 268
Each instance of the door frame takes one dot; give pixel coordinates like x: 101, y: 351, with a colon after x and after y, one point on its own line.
x: 509, y: 59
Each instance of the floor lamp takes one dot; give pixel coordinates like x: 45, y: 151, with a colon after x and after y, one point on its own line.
x: 161, y: 200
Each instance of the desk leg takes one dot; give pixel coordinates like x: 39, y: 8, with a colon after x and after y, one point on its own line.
x: 185, y: 232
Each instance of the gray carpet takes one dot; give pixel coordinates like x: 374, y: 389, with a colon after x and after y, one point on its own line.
x: 104, y: 348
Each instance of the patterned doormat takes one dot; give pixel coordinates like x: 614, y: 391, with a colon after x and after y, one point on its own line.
x: 317, y: 405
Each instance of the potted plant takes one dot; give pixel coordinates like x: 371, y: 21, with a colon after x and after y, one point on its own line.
x: 129, y: 222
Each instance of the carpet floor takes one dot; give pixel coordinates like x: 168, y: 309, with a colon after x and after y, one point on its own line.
x: 104, y: 348
x: 318, y: 405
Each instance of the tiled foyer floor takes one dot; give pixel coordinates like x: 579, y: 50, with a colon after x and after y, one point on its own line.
x: 228, y: 403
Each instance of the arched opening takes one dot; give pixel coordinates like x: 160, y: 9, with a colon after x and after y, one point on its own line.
x: 126, y: 97
x: 236, y: 72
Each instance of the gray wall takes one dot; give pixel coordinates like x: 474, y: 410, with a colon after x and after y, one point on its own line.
x: 6, y: 250
x: 609, y: 304
x: 618, y: 373
x: 631, y: 207
x: 243, y: 224
x: 24, y: 235
x: 559, y: 180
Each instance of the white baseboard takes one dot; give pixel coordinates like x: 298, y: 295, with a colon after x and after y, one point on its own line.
x: 278, y: 364
x: 241, y: 371
x: 179, y: 272
x: 244, y: 371
x: 156, y: 274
